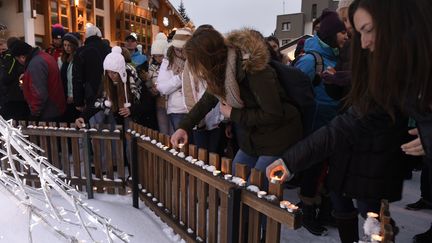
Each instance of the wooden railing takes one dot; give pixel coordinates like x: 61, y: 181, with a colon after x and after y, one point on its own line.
x: 90, y: 158
x: 198, y: 204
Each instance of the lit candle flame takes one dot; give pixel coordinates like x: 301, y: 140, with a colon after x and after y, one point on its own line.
x: 180, y: 145
x: 275, y: 179
x: 376, y: 237
x: 372, y: 215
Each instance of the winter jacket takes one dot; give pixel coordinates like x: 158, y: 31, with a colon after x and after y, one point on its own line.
x: 42, y: 86
x: 170, y: 85
x: 66, y: 77
x: 138, y: 59
x: 366, y: 161
x: 268, y: 123
x: 87, y: 70
x: 10, y: 89
x: 307, y: 64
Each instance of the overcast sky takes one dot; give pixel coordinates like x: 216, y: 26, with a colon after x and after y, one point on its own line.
x: 227, y: 15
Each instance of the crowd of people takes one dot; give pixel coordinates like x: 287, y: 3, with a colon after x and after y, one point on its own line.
x: 369, y: 78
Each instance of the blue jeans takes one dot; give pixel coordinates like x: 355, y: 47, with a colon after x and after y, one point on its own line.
x: 260, y: 163
x: 344, y: 205
x: 175, y: 119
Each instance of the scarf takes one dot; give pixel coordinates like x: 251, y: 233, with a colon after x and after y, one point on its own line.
x: 193, y: 88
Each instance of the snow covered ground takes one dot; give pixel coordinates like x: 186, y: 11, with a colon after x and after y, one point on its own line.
x: 146, y: 227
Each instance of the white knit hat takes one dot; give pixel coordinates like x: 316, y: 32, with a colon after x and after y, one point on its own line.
x: 92, y: 30
x: 344, y: 4
x: 115, y: 62
x: 159, y: 45
x: 181, y: 37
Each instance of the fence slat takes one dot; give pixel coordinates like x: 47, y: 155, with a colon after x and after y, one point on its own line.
x: 254, y: 230
x: 109, y: 163
x: 183, y: 197
x: 202, y: 199
x: 273, y: 227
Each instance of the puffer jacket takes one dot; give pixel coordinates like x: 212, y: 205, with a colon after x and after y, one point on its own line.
x: 307, y: 64
x: 268, y: 123
x: 170, y: 85
x: 42, y: 87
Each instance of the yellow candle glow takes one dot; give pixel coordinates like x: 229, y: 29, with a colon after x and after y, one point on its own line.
x: 180, y: 145
x: 275, y: 179
x: 372, y: 215
x: 376, y: 237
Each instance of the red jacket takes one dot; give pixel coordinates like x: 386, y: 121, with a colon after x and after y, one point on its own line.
x: 42, y: 87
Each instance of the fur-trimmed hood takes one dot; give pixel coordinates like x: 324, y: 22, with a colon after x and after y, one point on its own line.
x: 253, y: 48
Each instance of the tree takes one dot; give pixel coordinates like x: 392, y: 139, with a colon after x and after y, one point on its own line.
x: 182, y: 11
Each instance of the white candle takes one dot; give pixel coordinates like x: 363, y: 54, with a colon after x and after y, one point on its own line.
x: 216, y: 172
x: 180, y: 145
x: 372, y: 215
x: 292, y: 208
x: 376, y: 238
x: 275, y: 179
x: 261, y: 194
x: 284, y: 204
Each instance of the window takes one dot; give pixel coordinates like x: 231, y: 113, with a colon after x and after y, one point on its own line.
x: 100, y: 23
x: 284, y: 42
x: 314, y: 11
x: 89, y: 11
x: 286, y: 26
x: 64, y: 16
x: 36, y: 5
x: 54, y: 12
x: 100, y: 4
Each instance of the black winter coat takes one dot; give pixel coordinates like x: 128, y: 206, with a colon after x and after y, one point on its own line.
x: 9, y: 81
x: 366, y: 161
x: 87, y: 70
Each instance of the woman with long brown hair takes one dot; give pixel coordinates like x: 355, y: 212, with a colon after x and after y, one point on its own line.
x: 237, y: 74
x: 391, y: 78
x: 71, y: 42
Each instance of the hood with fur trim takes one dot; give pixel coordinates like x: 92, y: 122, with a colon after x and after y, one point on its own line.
x: 253, y: 48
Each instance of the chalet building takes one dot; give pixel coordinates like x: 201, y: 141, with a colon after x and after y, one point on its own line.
x: 115, y: 18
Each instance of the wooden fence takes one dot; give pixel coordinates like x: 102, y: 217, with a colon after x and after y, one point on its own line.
x: 197, y: 203
x: 90, y: 158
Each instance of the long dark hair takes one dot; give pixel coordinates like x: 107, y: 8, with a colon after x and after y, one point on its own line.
x: 401, y: 64
x: 207, y: 53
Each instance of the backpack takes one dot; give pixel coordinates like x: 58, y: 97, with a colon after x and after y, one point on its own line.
x: 299, y: 90
x: 319, y: 65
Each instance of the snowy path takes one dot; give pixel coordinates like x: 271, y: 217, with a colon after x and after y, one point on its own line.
x: 145, y: 227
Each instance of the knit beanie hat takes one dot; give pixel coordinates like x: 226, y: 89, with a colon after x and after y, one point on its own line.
x: 330, y: 25
x: 115, y: 62
x: 344, y: 4
x: 159, y: 45
x: 73, y: 38
x: 92, y: 30
x: 181, y: 37
x: 57, y: 31
x: 20, y: 48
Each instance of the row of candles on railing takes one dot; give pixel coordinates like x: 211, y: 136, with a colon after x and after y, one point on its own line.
x: 69, y: 128
x: 292, y: 208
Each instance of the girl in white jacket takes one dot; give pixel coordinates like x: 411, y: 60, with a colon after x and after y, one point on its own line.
x: 169, y: 81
